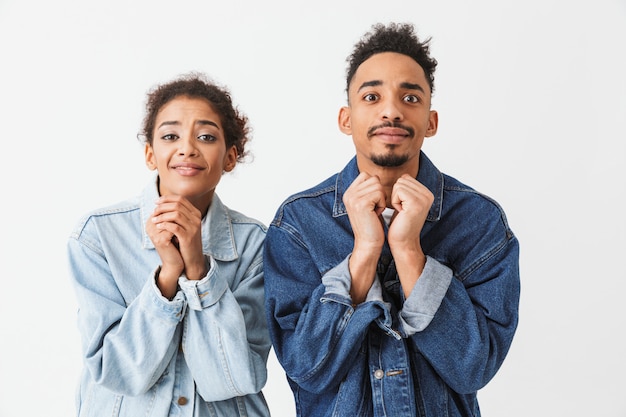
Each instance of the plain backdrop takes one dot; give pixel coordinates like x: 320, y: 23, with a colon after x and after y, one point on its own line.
x: 532, y: 111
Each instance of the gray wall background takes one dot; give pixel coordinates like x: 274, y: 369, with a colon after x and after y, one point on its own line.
x: 532, y: 103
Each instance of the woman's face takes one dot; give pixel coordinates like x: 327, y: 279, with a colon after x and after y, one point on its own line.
x: 189, y: 150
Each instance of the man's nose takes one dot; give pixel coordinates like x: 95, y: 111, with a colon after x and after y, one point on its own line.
x: 391, y: 110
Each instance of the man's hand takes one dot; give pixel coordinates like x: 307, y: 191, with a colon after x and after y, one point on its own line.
x: 365, y: 201
x: 412, y: 201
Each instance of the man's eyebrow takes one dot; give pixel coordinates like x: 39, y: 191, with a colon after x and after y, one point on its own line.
x: 411, y: 86
x: 372, y: 83
x: 405, y: 85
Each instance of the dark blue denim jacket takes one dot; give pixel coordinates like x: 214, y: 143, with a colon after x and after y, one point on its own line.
x: 426, y: 355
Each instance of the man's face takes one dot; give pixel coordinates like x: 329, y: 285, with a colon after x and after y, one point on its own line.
x: 389, y: 112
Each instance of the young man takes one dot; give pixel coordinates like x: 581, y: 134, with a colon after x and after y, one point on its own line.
x: 391, y: 288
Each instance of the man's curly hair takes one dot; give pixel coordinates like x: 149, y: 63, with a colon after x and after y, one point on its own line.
x: 395, y: 37
x: 197, y: 85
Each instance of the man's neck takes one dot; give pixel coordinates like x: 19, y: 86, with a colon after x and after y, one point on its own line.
x: 389, y: 175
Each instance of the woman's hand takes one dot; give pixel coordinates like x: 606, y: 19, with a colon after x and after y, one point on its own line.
x: 175, y: 230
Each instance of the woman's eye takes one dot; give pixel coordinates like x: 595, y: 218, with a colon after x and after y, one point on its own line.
x: 207, y: 138
x: 170, y: 136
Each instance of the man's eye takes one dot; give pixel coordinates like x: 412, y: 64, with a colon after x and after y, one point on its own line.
x: 170, y: 136
x: 412, y: 99
x: 207, y: 138
x: 370, y: 97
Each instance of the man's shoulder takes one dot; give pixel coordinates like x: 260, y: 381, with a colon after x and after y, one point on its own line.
x: 319, y: 196
x: 460, y: 190
x: 327, y: 186
x: 480, y: 214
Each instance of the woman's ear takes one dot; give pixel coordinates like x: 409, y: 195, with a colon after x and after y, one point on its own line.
x: 150, y: 160
x: 343, y: 120
x: 230, y: 159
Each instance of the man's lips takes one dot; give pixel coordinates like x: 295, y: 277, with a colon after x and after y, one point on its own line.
x: 391, y: 134
x: 391, y: 131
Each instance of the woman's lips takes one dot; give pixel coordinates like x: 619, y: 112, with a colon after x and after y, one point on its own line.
x: 187, y: 169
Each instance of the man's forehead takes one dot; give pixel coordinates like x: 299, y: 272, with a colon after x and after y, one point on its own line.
x: 405, y: 77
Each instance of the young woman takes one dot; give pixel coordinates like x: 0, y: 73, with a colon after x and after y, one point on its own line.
x: 170, y: 283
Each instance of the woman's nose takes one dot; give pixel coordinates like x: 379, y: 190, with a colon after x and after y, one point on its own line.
x: 187, y: 146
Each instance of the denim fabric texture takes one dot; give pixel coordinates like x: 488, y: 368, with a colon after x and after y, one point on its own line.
x: 426, y: 355
x: 204, y: 352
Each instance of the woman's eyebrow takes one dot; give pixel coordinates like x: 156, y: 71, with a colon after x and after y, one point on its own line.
x: 199, y: 122
x: 169, y: 123
x: 207, y: 122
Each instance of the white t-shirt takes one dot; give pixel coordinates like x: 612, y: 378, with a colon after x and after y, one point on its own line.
x: 387, y: 214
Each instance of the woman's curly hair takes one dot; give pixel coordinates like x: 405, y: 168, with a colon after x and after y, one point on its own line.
x: 197, y: 85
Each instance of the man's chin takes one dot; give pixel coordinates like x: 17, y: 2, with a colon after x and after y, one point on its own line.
x: 389, y: 160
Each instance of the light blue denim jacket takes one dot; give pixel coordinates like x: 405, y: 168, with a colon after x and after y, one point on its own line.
x: 426, y: 355
x: 202, y: 354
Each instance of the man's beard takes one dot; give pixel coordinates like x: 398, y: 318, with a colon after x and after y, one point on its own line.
x: 389, y: 160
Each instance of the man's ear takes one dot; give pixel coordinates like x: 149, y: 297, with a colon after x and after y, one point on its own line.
x: 150, y: 160
x: 433, y: 122
x: 343, y: 120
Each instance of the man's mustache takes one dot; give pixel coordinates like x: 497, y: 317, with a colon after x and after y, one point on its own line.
x: 373, y: 129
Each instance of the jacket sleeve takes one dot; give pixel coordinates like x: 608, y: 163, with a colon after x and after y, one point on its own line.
x: 473, y: 328
x: 225, y: 340
x: 126, y: 348
x: 316, y: 332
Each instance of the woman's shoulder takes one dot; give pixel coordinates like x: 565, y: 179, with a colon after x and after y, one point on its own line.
x: 241, y: 219
x: 112, y: 213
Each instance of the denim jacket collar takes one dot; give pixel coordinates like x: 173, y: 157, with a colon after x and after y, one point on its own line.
x: 216, y: 225
x: 428, y: 175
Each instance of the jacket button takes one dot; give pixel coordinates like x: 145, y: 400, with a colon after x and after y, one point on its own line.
x: 182, y: 400
x: 378, y: 374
